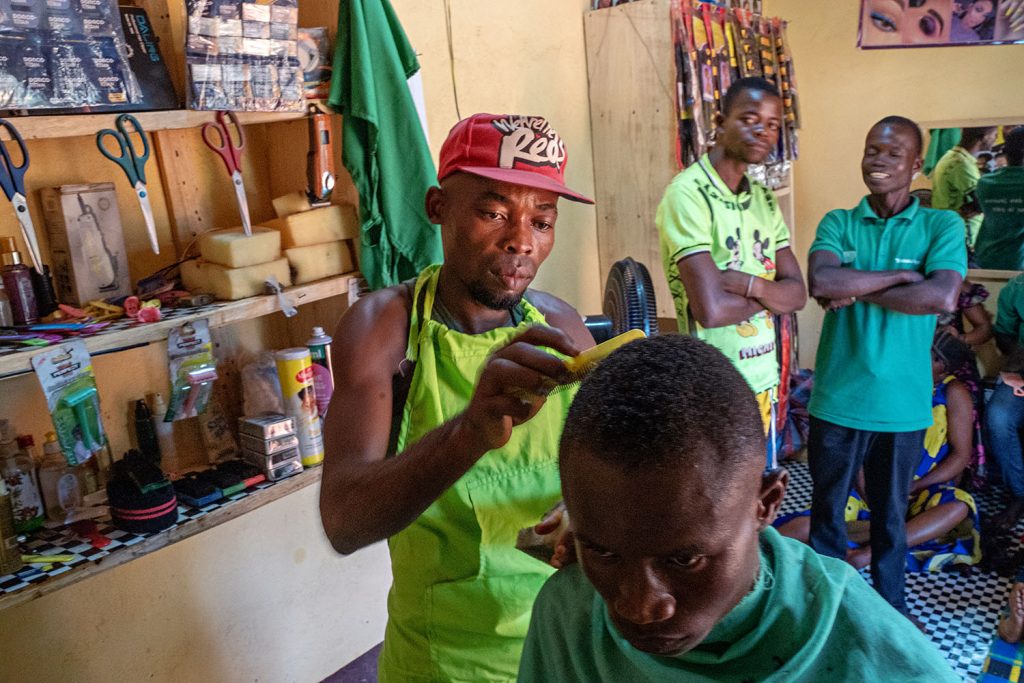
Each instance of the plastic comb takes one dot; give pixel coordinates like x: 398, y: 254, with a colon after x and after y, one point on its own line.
x: 583, y: 364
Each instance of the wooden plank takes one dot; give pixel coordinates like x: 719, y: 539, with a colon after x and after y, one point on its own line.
x: 176, y: 153
x: 225, y: 314
x: 73, y: 125
x: 163, y: 539
x: 995, y: 275
x: 632, y: 111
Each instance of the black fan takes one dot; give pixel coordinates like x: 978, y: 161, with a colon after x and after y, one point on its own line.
x: 628, y: 302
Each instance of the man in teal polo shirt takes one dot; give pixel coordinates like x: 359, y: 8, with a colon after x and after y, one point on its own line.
x: 956, y: 176
x: 725, y: 245
x: 883, y: 270
x: 1001, y: 195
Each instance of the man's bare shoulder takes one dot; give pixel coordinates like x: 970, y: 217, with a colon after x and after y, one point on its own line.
x: 562, y: 315
x: 377, y: 324
x: 549, y: 304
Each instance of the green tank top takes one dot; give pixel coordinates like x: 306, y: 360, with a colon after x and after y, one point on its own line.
x: 461, y: 596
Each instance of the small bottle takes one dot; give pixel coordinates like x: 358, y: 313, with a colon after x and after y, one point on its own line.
x: 17, y: 278
x: 62, y: 489
x: 10, y: 554
x: 6, y: 314
x: 19, y: 472
x: 145, y: 432
x: 323, y: 372
x: 164, y: 436
x: 27, y: 444
x: 46, y: 296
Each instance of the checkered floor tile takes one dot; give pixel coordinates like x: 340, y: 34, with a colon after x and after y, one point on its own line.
x: 959, y: 613
x: 64, y: 542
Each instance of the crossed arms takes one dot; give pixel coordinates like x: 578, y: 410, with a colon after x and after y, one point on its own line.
x: 718, y: 298
x: 905, y: 291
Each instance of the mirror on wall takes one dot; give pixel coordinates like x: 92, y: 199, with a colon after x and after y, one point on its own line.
x: 978, y: 171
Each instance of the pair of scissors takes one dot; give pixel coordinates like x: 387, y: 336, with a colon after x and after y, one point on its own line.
x: 133, y: 164
x: 12, y: 180
x: 231, y: 152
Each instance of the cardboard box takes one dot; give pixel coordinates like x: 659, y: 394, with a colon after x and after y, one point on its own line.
x: 86, y: 242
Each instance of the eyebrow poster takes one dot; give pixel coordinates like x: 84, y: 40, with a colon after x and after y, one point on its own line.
x: 929, y: 23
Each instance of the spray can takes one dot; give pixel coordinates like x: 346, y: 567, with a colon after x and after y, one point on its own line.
x: 319, y: 347
x: 295, y: 370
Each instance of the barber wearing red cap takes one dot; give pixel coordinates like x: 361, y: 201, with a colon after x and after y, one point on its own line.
x: 441, y: 436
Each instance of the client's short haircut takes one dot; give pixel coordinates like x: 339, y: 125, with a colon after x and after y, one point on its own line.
x: 664, y: 402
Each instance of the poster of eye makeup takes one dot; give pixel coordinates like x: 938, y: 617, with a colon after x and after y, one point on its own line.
x: 929, y: 23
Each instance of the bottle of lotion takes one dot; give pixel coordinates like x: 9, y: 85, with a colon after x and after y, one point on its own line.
x: 17, y: 278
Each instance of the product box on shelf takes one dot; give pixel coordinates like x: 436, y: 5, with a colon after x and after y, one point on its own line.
x: 86, y: 242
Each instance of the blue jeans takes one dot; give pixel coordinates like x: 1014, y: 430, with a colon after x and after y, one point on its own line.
x: 835, y: 455
x: 1004, y: 417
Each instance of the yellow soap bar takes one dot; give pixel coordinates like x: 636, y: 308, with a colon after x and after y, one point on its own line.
x: 326, y: 224
x: 319, y: 261
x: 291, y: 203
x: 232, y: 283
x: 234, y: 249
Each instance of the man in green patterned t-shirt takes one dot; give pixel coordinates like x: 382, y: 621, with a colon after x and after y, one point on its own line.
x: 725, y: 245
x: 956, y: 177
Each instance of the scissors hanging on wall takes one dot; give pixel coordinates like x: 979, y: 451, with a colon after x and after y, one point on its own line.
x: 231, y: 152
x: 133, y: 164
x: 12, y: 180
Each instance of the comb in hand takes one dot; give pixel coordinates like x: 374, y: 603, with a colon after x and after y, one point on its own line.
x: 583, y: 364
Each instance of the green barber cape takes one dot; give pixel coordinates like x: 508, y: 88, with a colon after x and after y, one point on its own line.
x: 808, y: 618
x: 383, y: 145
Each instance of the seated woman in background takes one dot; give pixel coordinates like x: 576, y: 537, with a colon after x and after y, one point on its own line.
x: 970, y: 307
x: 942, y: 520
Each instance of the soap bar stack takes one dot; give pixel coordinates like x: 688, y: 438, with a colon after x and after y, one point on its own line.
x: 318, y: 243
x: 235, y: 266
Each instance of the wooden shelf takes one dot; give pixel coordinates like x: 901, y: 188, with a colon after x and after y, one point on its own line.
x: 73, y: 125
x: 183, y: 530
x: 986, y: 274
x: 223, y: 313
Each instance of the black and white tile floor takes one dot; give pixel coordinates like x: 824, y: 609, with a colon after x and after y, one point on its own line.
x: 959, y: 613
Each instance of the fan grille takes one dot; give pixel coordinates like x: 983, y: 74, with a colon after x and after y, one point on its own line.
x: 629, y: 298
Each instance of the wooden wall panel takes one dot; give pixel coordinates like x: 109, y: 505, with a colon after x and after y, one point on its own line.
x: 632, y: 113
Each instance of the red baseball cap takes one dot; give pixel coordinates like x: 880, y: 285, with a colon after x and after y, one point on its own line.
x: 523, y: 150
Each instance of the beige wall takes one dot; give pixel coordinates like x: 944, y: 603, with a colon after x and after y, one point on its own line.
x: 525, y: 57
x: 844, y: 90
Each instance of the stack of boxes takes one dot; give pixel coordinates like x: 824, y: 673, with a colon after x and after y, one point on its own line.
x: 236, y: 266
x: 269, y: 442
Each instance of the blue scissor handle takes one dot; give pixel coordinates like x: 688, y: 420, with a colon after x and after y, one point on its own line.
x: 136, y: 127
x: 134, y: 165
x: 12, y: 178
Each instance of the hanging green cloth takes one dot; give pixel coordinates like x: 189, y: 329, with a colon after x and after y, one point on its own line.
x: 940, y: 141
x: 383, y: 145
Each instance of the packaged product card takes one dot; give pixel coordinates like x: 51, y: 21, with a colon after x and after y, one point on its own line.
x: 66, y: 375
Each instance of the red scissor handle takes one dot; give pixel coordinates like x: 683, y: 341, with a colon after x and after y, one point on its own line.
x: 224, y: 144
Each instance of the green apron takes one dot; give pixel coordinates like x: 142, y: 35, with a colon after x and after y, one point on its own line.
x: 461, y: 597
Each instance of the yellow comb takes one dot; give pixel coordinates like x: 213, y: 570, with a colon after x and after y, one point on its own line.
x: 583, y: 364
